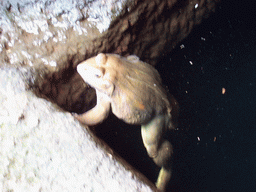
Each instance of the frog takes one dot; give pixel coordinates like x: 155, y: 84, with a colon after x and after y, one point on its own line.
x: 133, y: 91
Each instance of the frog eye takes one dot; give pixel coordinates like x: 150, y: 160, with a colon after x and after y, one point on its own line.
x: 98, y: 73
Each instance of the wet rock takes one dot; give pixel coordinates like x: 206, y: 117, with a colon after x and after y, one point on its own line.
x: 152, y: 29
x: 48, y: 33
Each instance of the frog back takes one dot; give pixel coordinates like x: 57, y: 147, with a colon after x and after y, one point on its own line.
x: 138, y: 94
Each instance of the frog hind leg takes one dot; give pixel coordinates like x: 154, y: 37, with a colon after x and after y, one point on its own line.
x: 164, y: 160
x: 159, y: 149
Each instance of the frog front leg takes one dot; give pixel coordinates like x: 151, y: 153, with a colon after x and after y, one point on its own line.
x: 159, y: 149
x: 97, y: 114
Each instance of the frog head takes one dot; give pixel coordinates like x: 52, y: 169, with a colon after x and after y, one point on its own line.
x: 98, y: 74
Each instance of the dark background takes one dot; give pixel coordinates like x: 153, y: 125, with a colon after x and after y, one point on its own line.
x: 215, y: 140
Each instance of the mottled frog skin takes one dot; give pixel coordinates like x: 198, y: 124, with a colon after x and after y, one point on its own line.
x: 132, y: 89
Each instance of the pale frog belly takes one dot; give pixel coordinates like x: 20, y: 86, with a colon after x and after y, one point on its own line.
x: 138, y: 114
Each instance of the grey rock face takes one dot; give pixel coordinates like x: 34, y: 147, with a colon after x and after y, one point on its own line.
x: 44, y: 149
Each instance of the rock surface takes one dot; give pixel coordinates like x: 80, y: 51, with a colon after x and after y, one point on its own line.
x: 44, y: 149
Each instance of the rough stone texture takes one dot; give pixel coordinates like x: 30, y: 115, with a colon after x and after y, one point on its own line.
x: 49, y: 33
x: 44, y: 149
x: 55, y: 34
x: 152, y: 29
